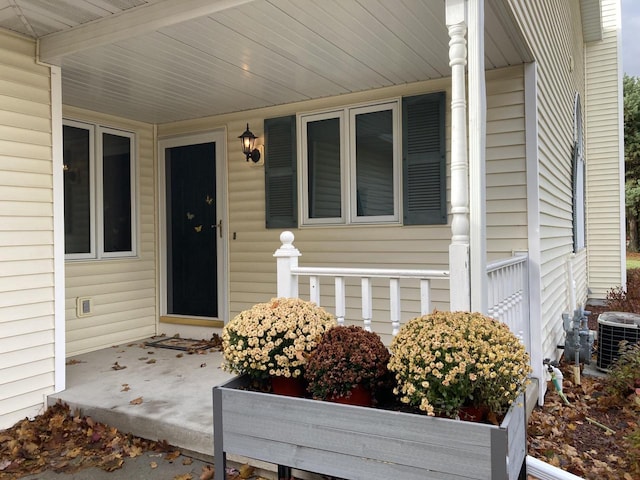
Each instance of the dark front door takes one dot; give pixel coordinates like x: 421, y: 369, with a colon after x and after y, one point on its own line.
x: 191, y: 230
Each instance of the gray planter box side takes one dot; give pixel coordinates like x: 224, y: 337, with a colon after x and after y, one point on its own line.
x: 363, y: 443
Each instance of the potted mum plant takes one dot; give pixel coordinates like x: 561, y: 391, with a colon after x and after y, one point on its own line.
x: 446, y: 362
x: 273, y: 339
x: 348, y: 365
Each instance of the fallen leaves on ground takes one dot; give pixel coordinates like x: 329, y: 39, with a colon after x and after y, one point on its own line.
x: 63, y: 441
x: 207, y: 472
x: 171, y: 456
x: 589, y: 437
x: 183, y: 476
x: 73, y: 361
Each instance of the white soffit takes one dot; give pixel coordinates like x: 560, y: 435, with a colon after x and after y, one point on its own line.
x: 161, y: 61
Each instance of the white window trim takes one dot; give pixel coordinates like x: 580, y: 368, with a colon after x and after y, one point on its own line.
x: 348, y: 188
x: 96, y: 246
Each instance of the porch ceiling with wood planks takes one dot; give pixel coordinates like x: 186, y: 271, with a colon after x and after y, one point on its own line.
x: 161, y: 61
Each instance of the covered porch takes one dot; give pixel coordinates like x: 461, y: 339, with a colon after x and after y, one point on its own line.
x: 165, y: 393
x: 275, y: 74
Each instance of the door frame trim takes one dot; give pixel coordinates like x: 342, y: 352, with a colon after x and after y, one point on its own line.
x: 219, y: 137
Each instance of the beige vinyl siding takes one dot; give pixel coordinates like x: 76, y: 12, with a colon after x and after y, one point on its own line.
x: 605, y: 209
x: 505, y: 164
x: 26, y: 232
x: 123, y: 290
x: 252, y: 272
x: 554, y: 31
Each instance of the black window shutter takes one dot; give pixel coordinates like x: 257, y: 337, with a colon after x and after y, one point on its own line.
x: 280, y: 172
x: 424, y: 160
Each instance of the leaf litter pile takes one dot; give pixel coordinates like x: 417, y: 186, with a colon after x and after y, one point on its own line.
x: 65, y: 442
x: 596, y: 436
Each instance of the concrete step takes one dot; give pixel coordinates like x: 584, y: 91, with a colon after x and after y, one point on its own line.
x: 174, y: 390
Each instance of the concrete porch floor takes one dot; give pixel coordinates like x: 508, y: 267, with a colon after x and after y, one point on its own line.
x: 175, y: 388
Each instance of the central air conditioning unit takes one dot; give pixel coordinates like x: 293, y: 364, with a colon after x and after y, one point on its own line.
x: 613, y: 327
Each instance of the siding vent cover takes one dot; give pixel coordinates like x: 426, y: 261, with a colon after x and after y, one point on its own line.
x: 613, y: 327
x: 84, y: 306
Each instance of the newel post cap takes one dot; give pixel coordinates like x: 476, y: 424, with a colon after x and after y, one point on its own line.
x: 287, y: 249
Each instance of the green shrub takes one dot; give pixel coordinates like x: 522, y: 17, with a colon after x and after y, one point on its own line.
x: 624, y: 376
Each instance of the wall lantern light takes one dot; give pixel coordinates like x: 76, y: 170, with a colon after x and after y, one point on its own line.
x: 248, y: 140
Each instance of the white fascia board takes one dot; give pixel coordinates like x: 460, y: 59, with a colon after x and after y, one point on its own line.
x: 130, y: 23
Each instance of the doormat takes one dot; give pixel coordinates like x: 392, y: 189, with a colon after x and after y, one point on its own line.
x: 187, y: 344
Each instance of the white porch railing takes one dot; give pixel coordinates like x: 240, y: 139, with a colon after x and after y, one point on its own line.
x: 366, y: 274
x: 507, y: 279
x: 289, y: 273
x: 508, y: 288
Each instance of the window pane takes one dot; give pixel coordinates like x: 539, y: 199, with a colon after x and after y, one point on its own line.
x: 116, y: 168
x: 77, y: 193
x: 374, y: 163
x: 323, y: 162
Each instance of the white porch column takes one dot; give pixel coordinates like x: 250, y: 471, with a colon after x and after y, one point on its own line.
x: 477, y: 158
x: 287, y: 257
x: 60, y: 338
x: 459, y: 280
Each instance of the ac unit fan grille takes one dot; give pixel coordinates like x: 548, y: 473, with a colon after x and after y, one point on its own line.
x: 609, y: 338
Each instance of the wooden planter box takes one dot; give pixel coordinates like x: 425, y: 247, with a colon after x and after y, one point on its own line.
x: 363, y: 443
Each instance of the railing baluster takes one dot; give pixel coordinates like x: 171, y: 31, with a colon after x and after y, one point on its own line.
x: 509, y: 295
x: 394, y: 305
x: 425, y: 297
x: 340, y: 300
x: 367, y: 303
x: 314, y: 289
x: 491, y: 303
x: 519, y: 294
x: 500, y: 284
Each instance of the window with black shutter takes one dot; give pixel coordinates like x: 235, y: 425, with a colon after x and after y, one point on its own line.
x: 351, y: 168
